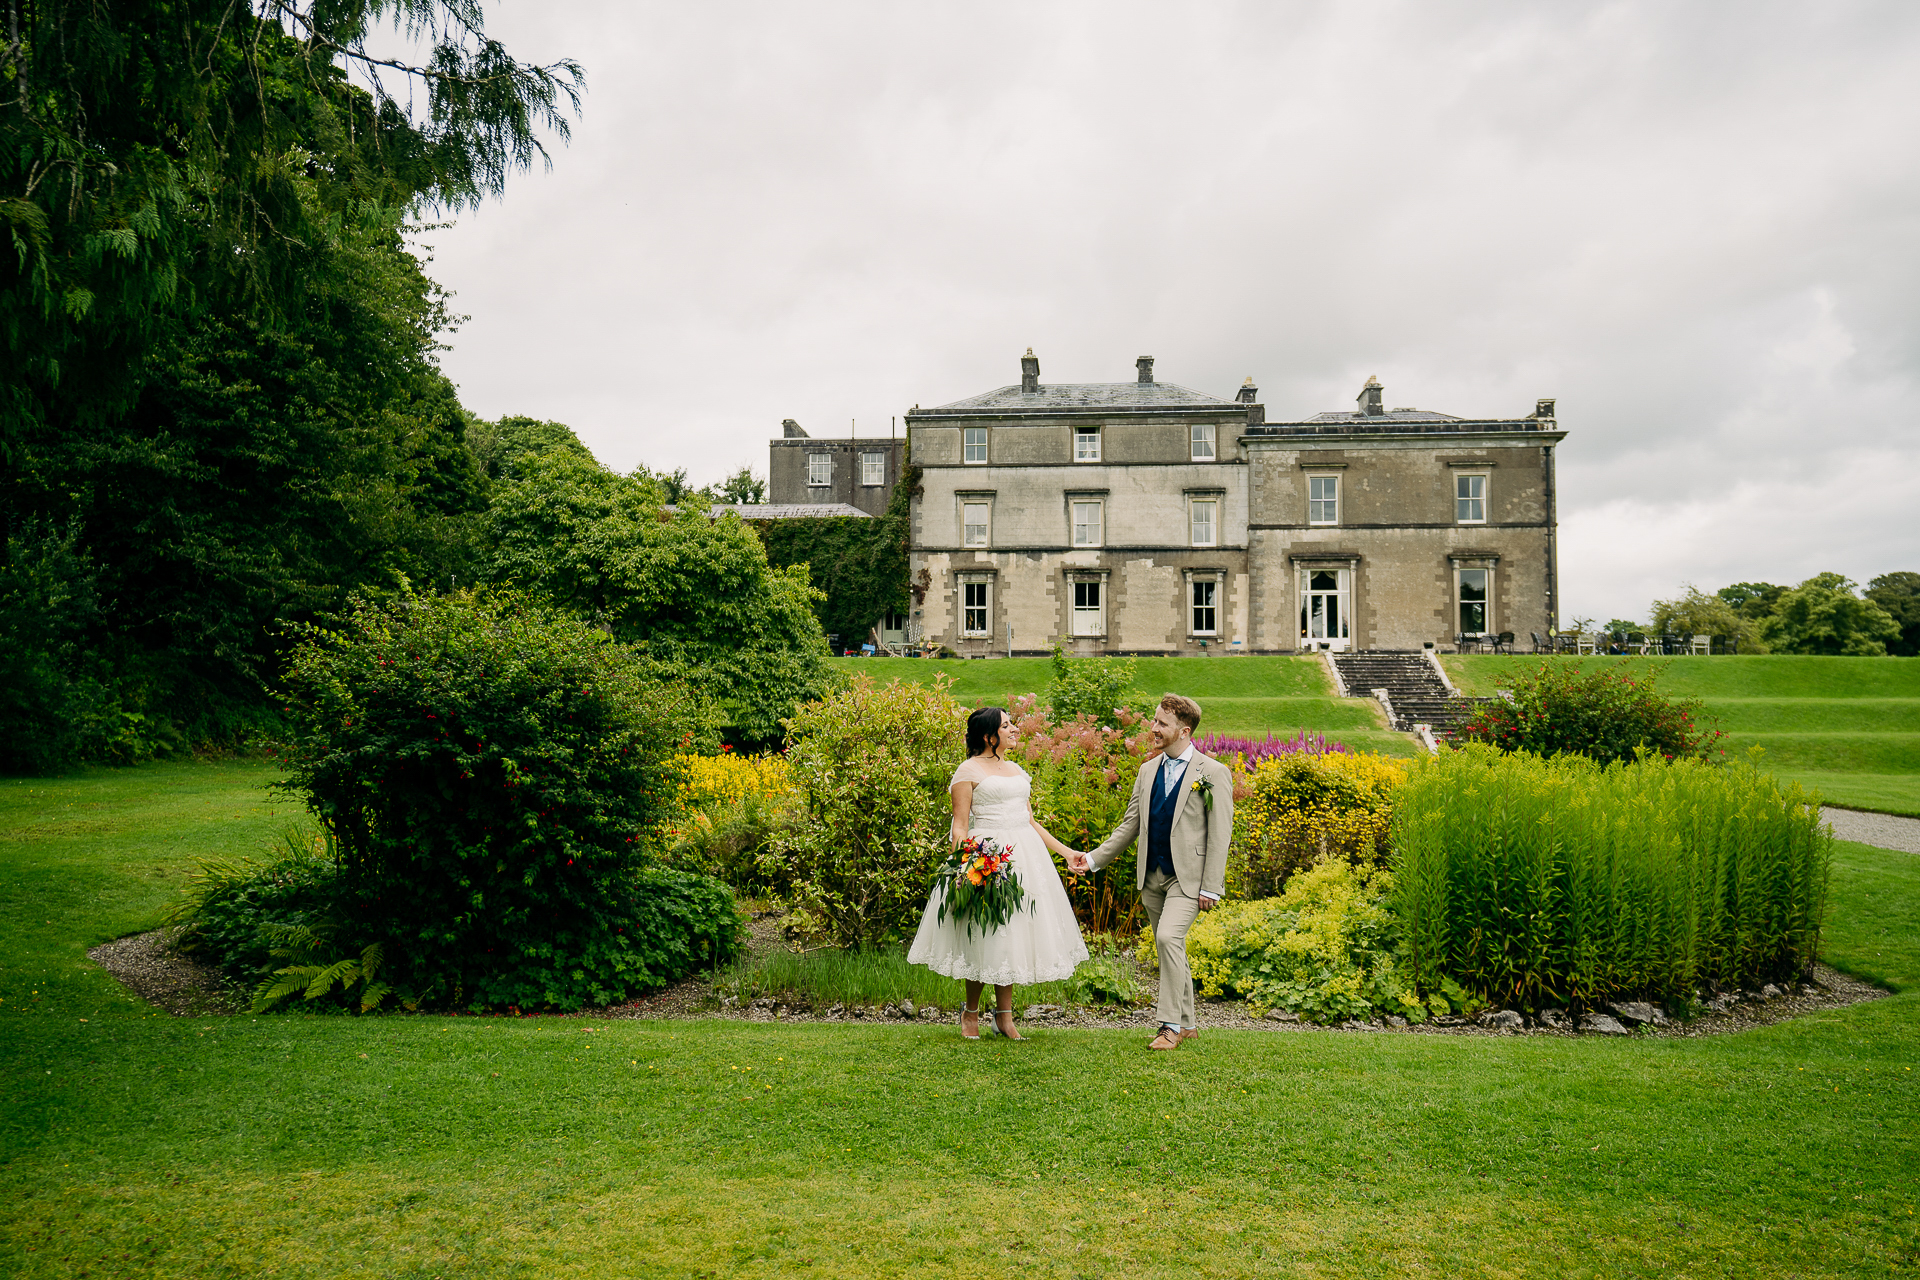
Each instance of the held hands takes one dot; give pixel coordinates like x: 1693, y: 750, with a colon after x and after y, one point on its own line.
x: 1078, y: 862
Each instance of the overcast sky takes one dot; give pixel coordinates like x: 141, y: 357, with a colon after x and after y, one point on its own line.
x: 1697, y: 226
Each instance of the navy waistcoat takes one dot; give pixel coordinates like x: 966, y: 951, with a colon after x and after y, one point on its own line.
x: 1160, y: 811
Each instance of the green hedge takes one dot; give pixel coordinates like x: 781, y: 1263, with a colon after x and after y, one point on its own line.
x: 1557, y: 881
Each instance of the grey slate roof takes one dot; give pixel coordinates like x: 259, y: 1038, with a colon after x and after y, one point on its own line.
x: 788, y: 510
x: 1397, y: 415
x: 1084, y: 395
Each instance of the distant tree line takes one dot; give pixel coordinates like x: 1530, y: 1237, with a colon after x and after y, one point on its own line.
x: 1826, y: 614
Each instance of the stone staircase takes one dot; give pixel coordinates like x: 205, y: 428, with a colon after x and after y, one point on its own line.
x: 1415, y: 692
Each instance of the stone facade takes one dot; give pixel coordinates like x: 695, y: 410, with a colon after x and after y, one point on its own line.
x: 1146, y: 518
x: 802, y: 470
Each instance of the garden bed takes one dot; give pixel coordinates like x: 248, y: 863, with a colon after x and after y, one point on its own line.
x: 186, y: 987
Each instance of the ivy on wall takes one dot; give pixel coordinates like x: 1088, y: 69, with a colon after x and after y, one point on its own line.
x: 860, y: 563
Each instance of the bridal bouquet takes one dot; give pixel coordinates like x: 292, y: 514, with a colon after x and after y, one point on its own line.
x: 981, y: 887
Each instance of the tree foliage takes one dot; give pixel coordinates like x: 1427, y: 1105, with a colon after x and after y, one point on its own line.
x: 219, y: 385
x: 1699, y: 614
x: 686, y: 590
x: 1824, y: 615
x: 1899, y: 594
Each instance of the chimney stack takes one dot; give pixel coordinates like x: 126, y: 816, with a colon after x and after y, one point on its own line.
x: 1145, y: 365
x: 1370, y: 403
x: 791, y: 430
x: 1029, y: 371
x: 1543, y: 409
x: 1248, y: 392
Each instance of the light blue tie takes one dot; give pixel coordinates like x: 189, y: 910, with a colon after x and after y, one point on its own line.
x: 1169, y: 771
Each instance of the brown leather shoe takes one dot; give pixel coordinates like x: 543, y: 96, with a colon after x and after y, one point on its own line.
x: 1190, y: 1033
x: 1166, y: 1040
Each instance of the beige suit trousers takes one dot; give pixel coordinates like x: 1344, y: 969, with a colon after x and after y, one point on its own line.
x: 1172, y: 913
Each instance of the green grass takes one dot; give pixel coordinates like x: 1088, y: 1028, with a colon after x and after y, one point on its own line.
x: 820, y: 979
x: 476, y: 1147
x: 1848, y: 727
x: 1249, y: 695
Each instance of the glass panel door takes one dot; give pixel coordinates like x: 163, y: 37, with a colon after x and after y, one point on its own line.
x: 1326, y: 609
x: 1088, y: 619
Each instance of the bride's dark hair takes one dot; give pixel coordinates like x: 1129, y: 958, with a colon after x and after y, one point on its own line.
x: 981, y: 725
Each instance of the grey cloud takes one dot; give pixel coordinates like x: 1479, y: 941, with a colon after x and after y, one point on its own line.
x: 1692, y: 224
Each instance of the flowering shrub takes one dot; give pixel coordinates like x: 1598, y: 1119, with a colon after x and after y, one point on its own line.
x: 733, y: 806
x: 1083, y: 774
x: 1323, y: 949
x: 1306, y: 806
x: 1603, y: 713
x: 870, y: 766
x: 1245, y: 753
x: 729, y: 778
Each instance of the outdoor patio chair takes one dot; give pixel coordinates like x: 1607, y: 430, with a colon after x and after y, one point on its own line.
x: 1503, y: 643
x: 1537, y: 646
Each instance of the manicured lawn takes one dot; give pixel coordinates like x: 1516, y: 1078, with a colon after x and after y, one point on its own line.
x: 1849, y: 727
x: 1249, y: 695
x: 132, y: 1143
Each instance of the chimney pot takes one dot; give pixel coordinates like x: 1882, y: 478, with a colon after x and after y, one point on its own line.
x: 1145, y: 365
x: 1029, y: 371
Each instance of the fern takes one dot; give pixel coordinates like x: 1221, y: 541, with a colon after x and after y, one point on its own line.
x: 313, y: 975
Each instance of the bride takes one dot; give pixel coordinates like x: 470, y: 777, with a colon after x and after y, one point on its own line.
x: 1042, y: 942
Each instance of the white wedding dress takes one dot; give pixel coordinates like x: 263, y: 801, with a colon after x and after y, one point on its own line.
x: 1042, y: 942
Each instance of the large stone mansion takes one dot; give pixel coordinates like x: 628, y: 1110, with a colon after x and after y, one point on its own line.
x: 1144, y: 518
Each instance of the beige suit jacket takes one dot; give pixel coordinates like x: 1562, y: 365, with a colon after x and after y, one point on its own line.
x: 1199, y: 840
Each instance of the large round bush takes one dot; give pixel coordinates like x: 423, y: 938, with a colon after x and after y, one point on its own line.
x: 491, y: 772
x: 1605, y: 713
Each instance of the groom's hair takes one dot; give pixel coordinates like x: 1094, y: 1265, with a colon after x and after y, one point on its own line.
x: 1183, y: 709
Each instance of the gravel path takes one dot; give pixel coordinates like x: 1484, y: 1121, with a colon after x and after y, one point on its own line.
x: 1885, y: 830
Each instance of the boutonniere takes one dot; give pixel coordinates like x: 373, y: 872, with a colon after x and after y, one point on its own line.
x: 1205, y: 787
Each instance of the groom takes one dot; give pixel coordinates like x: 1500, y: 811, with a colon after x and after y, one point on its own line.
x: 1181, y: 812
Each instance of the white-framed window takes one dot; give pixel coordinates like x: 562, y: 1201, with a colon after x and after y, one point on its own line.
x: 975, y: 517
x: 1323, y: 499
x: 1089, y: 608
x: 1326, y: 608
x: 1087, y: 522
x: 1470, y: 498
x: 973, y: 444
x: 974, y: 611
x: 873, y: 468
x: 819, y: 468
x: 1086, y: 444
x: 1474, y: 593
x: 1205, y: 619
x: 1201, y: 442
x: 1205, y: 521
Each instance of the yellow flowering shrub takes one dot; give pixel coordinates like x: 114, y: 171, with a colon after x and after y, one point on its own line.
x: 1305, y: 807
x: 1322, y: 949
x: 728, y: 779
x: 731, y: 807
